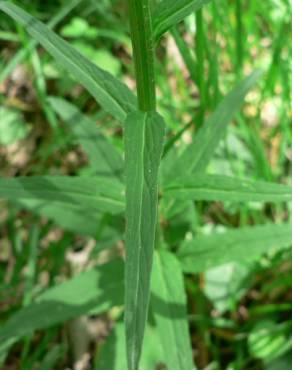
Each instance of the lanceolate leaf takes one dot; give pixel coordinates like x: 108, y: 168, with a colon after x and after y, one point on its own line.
x: 98, y: 289
x: 103, y: 156
x: 89, y: 222
x: 88, y: 194
x: 197, y: 155
x: 224, y: 188
x: 70, y: 217
x: 170, y: 12
x: 112, y: 95
x: 246, y: 243
x: 144, y: 134
x: 168, y: 303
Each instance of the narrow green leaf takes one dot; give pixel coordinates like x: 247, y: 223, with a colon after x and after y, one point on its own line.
x: 168, y: 303
x: 99, y: 289
x: 196, y: 156
x: 114, y: 97
x: 144, y: 134
x: 23, y: 52
x: 88, y: 194
x: 170, y: 12
x: 224, y: 188
x: 187, y: 56
x: 104, y: 157
x: 69, y: 217
x: 242, y: 244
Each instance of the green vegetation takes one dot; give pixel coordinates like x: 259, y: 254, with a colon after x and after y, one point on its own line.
x: 146, y: 185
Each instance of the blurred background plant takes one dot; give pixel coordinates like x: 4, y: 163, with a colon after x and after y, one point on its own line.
x: 240, y: 313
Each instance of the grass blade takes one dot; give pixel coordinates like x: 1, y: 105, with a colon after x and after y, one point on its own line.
x: 185, y: 53
x: 99, y: 289
x: 169, y: 307
x: 144, y: 134
x: 104, y: 157
x: 197, y: 155
x: 91, y: 195
x: 170, y: 12
x: 203, y: 252
x: 224, y: 188
x: 114, y: 97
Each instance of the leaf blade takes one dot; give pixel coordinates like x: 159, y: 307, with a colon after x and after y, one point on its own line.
x: 144, y: 134
x: 114, y: 97
x: 69, y: 217
x: 197, y: 155
x: 103, y: 156
x: 93, y: 194
x: 246, y: 243
x: 98, y: 289
x: 169, y: 307
x: 224, y: 188
x: 170, y: 12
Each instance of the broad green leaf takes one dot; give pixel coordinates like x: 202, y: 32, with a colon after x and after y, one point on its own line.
x: 100, y: 289
x: 144, y: 133
x: 224, y: 188
x: 168, y: 303
x: 197, y: 155
x: 243, y: 244
x: 113, y: 356
x: 114, y: 97
x: 104, y: 157
x: 84, y: 193
x: 170, y: 12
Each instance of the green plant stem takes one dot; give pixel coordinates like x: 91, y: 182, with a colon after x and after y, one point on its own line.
x: 143, y: 50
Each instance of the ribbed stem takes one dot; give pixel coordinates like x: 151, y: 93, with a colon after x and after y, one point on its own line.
x: 143, y: 49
